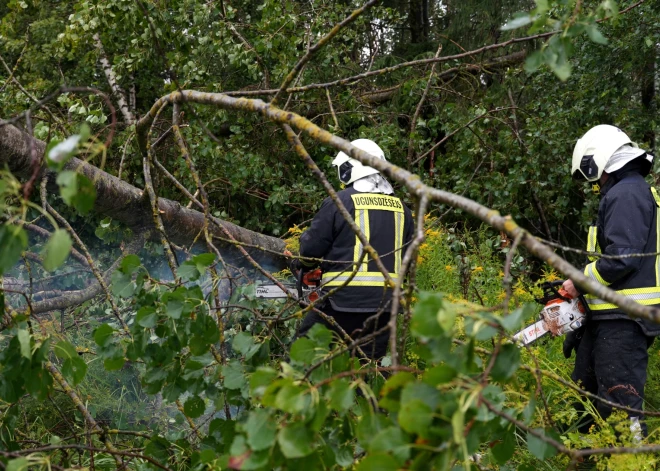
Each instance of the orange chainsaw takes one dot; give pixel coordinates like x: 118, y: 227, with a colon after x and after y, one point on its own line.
x: 560, y: 315
x: 306, y: 289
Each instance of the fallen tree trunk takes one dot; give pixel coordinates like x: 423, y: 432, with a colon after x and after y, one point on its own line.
x: 127, y: 204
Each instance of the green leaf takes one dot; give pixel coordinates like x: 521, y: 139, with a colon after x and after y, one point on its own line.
x: 292, y: 398
x: 158, y: 447
x: 378, y: 462
x: 103, y: 335
x: 320, y: 335
x: 203, y: 261
x: 521, y: 19
x: 295, y: 440
x: 234, y: 375
x: 261, y: 430
x: 392, y: 440
x: 174, y: 309
x: 130, y: 263
x: 415, y: 417
x: 447, y: 317
x: 340, y: 395
x: 194, y: 407
x: 114, y: 364
x: 13, y: 240
x: 65, y: 350
x: 77, y: 190
x: 533, y: 62
x: 538, y: 447
x: 261, y: 379
x: 56, y: 250
x: 188, y: 271
x: 74, y: 369
x: 562, y: 70
x: 24, y: 341
x: 424, y: 320
x: 146, y: 317
x: 503, y: 451
x: 440, y: 374
x: 122, y: 285
x: 513, y: 321
x: 244, y: 344
x: 595, y: 35
x: 506, y: 363
x: 303, y: 351
x: 19, y: 464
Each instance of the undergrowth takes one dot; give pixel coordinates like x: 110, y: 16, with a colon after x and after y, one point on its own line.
x: 468, y: 266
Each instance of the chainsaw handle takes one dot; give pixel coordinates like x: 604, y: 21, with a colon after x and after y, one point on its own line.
x: 551, y: 292
x: 299, y: 283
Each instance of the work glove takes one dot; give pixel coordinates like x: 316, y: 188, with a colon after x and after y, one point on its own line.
x: 572, y: 342
x: 296, y: 265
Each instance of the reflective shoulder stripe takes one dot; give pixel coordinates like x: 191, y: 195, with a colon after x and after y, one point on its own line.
x: 377, y: 201
x: 656, y: 197
x: 362, y: 221
x: 398, y: 241
x: 657, y: 236
x: 592, y: 242
x: 591, y: 272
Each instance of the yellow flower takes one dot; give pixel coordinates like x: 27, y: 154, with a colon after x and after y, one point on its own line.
x: 550, y: 275
x: 449, y: 268
x: 478, y: 269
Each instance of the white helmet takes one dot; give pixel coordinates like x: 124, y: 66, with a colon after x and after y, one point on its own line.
x: 594, y: 150
x: 349, y: 169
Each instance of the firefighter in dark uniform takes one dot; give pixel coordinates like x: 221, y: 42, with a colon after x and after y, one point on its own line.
x: 362, y: 305
x: 611, y: 356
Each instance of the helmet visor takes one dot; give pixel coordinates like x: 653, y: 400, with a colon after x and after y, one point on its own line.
x: 588, y: 170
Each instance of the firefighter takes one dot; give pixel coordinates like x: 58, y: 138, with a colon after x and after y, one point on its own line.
x: 361, y: 306
x: 611, y: 351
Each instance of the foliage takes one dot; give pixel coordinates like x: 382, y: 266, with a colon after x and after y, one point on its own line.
x: 186, y: 368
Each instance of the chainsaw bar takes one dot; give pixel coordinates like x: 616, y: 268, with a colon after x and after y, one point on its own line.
x: 274, y: 291
x: 532, y: 333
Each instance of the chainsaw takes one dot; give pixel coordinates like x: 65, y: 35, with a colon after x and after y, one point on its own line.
x: 561, y: 314
x: 306, y: 289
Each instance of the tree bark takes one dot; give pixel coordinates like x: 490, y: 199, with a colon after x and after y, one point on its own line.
x: 125, y: 203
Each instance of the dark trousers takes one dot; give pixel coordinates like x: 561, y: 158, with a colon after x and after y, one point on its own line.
x: 356, y: 325
x: 611, y: 362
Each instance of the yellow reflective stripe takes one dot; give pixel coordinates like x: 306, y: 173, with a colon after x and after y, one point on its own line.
x: 604, y: 306
x: 377, y: 201
x: 367, y: 234
x: 592, y: 242
x: 355, y: 283
x: 657, y: 237
x: 360, y: 279
x: 656, y: 197
x: 644, y: 296
x: 347, y: 273
x: 360, y: 217
x: 591, y: 272
x: 398, y: 241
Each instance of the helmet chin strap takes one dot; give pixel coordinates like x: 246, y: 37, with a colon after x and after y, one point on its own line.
x: 595, y: 187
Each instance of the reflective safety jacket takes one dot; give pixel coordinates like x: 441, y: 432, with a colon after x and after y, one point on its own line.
x: 387, y: 224
x: 627, y: 224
